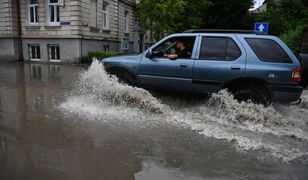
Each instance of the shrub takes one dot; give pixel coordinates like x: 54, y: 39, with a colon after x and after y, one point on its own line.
x: 101, y: 55
x: 293, y: 38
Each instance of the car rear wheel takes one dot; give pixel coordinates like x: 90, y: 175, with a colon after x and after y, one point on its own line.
x: 254, y: 93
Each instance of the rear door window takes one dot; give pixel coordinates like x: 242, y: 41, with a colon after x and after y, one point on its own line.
x: 219, y: 49
x: 268, y: 50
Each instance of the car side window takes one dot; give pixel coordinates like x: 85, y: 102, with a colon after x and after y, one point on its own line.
x: 268, y: 50
x: 219, y: 49
x: 181, y: 46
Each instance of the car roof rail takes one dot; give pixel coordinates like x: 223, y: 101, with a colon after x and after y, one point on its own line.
x: 221, y: 31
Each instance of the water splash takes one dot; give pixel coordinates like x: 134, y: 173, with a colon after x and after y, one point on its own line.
x: 281, y: 131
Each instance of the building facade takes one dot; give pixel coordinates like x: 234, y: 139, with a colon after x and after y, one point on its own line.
x: 66, y: 30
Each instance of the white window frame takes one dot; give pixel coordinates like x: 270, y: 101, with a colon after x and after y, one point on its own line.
x: 56, y: 13
x: 56, y: 53
x: 105, y: 15
x: 125, y: 44
x: 36, y: 47
x: 106, y: 47
x: 35, y: 13
x: 126, y: 21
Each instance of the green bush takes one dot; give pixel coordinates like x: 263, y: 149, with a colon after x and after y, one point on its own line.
x: 101, y: 55
x: 293, y: 37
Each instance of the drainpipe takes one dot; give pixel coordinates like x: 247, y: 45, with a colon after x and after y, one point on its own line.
x: 21, y: 55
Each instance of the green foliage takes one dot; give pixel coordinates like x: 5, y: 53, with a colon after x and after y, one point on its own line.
x: 164, y: 17
x: 101, y: 55
x: 229, y: 14
x: 293, y: 37
x: 285, y: 16
x: 287, y: 19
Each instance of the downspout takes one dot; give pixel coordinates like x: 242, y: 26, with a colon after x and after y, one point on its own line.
x: 21, y: 55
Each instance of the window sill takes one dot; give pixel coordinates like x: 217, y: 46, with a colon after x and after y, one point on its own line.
x: 55, y: 60
x: 106, y: 30
x: 53, y: 26
x: 35, y: 60
x: 32, y: 26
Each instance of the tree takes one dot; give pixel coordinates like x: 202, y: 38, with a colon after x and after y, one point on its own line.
x: 287, y: 19
x: 159, y: 16
x: 228, y: 14
x: 164, y: 17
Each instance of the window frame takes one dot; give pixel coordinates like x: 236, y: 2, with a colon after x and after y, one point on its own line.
x: 35, y: 13
x: 195, y: 45
x: 56, y: 11
x: 105, y: 14
x: 38, y: 55
x: 122, y: 44
x: 273, y: 60
x: 226, y: 50
x: 49, y: 46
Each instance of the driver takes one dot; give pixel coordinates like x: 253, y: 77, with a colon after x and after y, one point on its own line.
x: 181, y: 51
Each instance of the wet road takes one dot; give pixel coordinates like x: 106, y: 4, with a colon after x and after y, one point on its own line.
x: 59, y: 123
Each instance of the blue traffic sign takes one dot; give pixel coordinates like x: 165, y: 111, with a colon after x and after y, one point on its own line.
x: 261, y: 27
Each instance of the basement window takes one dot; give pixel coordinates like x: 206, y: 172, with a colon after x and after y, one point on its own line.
x: 34, y: 52
x: 54, y: 53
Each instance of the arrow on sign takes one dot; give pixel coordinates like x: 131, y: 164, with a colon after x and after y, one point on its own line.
x: 261, y: 28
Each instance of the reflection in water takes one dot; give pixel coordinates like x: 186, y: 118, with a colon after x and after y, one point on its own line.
x: 40, y: 141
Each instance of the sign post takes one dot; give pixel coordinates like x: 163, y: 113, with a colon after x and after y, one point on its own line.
x: 261, y: 27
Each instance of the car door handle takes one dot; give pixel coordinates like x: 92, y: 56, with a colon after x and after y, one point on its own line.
x: 183, y: 65
x: 235, y: 67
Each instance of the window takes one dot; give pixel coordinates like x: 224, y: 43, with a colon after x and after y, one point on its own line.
x: 54, y: 12
x: 54, y: 52
x: 182, y: 46
x: 125, y: 44
x: 105, y: 15
x: 126, y: 21
x: 106, y: 48
x: 34, y: 52
x: 33, y: 12
x: 268, y: 50
x: 219, y: 49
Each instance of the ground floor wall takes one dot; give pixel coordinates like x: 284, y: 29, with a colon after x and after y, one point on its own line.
x: 64, y: 50
x: 9, y: 49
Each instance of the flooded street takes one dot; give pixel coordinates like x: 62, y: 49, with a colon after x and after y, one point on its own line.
x: 75, y: 122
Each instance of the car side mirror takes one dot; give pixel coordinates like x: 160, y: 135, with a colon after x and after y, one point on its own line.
x: 149, y: 54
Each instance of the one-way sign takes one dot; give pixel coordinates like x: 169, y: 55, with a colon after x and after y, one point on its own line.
x: 261, y: 27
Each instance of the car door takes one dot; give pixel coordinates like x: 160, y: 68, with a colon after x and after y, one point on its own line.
x: 160, y: 72
x: 220, y: 58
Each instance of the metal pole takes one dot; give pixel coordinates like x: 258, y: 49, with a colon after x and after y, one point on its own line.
x: 21, y: 55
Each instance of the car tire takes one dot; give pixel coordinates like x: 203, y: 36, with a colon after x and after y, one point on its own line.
x: 255, y: 93
x: 126, y: 78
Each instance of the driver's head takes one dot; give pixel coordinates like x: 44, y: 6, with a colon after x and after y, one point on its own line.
x: 180, y: 45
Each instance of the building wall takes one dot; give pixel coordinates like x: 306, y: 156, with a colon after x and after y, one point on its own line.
x: 80, y: 29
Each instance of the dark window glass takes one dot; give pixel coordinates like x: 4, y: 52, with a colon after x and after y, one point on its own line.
x: 36, y: 11
x: 38, y: 52
x: 268, y: 50
x: 31, y: 14
x: 58, y: 14
x: 219, y: 49
x: 52, y: 13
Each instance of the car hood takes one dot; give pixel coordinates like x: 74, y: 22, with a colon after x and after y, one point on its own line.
x: 123, y: 58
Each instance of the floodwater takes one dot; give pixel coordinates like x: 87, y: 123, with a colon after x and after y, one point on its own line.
x: 75, y: 122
